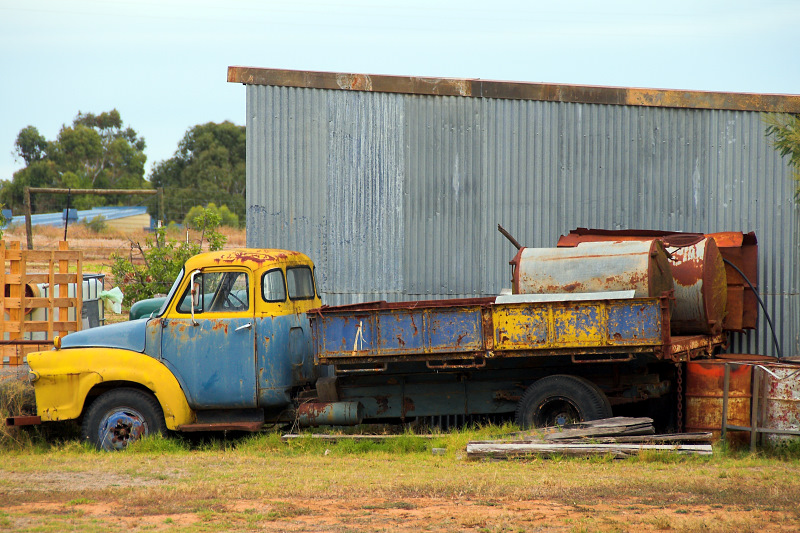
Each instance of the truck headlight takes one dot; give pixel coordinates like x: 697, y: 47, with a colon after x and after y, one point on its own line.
x: 33, y: 377
x: 57, y: 342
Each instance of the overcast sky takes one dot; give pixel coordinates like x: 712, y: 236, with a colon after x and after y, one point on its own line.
x: 163, y: 63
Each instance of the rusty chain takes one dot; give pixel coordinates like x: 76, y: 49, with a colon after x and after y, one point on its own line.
x: 679, y: 366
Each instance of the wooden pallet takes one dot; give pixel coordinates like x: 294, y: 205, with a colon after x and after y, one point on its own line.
x: 19, y: 276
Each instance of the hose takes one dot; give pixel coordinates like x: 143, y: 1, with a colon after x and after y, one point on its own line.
x: 763, y: 307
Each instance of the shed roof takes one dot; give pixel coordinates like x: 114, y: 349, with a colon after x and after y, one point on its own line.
x: 107, y: 212
x: 549, y: 92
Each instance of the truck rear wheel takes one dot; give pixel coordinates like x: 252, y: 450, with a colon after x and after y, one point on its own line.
x: 560, y: 399
x: 120, y: 417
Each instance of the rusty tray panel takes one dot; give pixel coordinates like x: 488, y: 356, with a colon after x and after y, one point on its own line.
x: 378, y: 333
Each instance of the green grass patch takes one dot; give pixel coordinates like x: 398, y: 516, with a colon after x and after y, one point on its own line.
x: 159, y: 444
x: 80, y: 501
x: 406, y: 506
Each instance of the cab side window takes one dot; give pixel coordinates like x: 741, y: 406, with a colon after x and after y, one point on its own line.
x: 273, y: 287
x: 217, y: 292
x: 300, y: 282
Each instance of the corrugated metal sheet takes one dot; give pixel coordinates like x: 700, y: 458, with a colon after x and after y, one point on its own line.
x: 397, y: 196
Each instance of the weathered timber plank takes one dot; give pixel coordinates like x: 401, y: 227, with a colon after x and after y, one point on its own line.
x: 605, y: 431
x: 667, y: 437
x: 334, y: 438
x: 479, y: 450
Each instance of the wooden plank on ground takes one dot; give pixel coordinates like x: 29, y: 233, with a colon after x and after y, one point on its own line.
x: 478, y: 450
x: 644, y: 439
x: 606, y: 427
x: 334, y: 438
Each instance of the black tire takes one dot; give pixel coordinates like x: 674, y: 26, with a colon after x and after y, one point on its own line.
x: 122, y: 416
x: 559, y: 400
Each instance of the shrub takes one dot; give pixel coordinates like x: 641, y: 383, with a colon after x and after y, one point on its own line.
x: 97, y: 224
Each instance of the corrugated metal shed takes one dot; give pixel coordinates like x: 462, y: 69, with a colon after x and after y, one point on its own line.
x: 395, y: 186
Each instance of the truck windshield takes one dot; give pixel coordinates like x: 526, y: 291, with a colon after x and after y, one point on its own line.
x: 171, y: 293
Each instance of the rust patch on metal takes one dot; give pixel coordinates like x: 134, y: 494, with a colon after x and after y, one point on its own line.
x: 383, y: 404
x: 354, y: 82
x: 239, y: 256
x: 408, y: 406
x: 312, y: 410
x: 572, y: 287
x: 220, y: 325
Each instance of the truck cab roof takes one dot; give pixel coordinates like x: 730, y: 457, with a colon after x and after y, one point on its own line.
x: 252, y: 258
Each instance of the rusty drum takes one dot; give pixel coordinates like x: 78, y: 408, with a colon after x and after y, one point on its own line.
x: 782, y: 387
x: 594, y: 267
x: 704, y: 395
x: 701, y: 288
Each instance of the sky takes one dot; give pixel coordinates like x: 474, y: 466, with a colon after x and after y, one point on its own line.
x: 163, y: 63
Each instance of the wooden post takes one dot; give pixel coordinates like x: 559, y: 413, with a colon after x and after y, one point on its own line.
x: 63, y: 288
x: 28, y: 228
x: 161, y: 206
x: 51, y: 283
x: 2, y: 291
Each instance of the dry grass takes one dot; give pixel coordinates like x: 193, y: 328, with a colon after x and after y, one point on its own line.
x: 261, y: 483
x: 97, y: 247
x: 16, y: 398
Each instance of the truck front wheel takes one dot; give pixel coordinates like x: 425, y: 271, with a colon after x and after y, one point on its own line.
x: 558, y: 400
x: 122, y: 416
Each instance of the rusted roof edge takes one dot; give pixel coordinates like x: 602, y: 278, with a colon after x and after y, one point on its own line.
x: 549, y: 92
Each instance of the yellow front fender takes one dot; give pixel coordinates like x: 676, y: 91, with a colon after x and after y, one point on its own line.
x: 66, y: 376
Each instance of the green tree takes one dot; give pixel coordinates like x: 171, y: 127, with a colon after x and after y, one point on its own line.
x: 208, y: 166
x: 30, y: 145
x: 226, y: 217
x: 96, y: 151
x: 785, y: 132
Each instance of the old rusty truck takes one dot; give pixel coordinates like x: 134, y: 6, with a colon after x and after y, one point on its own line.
x: 243, y: 341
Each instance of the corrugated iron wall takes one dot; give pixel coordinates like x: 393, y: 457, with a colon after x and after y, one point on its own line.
x: 397, y: 196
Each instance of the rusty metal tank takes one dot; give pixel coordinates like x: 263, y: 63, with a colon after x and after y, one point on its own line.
x: 701, y: 282
x: 641, y: 266
x: 701, y: 288
x: 704, y: 395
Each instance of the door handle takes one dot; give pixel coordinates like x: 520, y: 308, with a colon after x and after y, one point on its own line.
x: 245, y: 326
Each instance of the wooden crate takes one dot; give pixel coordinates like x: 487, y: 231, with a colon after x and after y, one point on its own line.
x: 19, y: 276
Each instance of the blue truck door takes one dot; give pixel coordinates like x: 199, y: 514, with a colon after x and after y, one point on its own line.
x: 284, y: 352
x: 213, y: 354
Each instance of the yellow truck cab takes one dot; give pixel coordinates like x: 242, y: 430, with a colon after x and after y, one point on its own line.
x: 227, y: 350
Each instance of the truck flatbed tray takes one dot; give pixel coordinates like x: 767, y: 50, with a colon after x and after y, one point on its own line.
x: 479, y: 329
